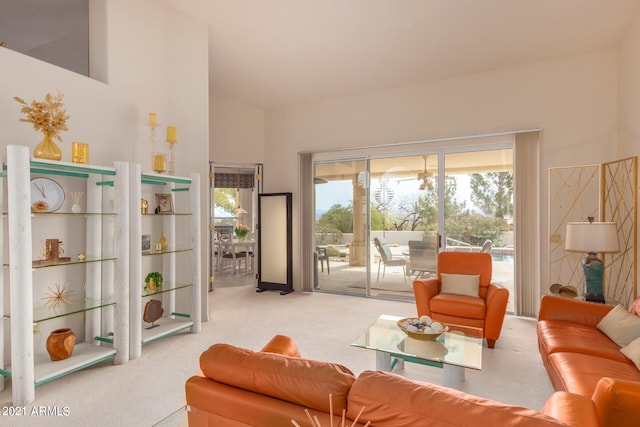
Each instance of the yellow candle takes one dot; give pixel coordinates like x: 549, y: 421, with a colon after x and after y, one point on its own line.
x: 171, y: 133
x: 153, y: 119
x: 80, y: 152
x: 159, y: 163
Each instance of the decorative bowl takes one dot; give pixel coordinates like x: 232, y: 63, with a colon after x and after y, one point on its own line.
x: 419, y: 335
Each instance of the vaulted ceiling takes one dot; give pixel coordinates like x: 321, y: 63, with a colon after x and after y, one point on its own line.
x: 279, y: 52
x: 270, y: 53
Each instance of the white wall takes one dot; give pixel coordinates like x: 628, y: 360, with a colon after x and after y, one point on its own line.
x: 163, y: 68
x: 237, y: 132
x: 574, y: 100
x: 630, y: 90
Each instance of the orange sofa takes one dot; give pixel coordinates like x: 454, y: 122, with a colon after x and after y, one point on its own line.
x: 486, y: 310
x: 239, y: 387
x: 582, y: 361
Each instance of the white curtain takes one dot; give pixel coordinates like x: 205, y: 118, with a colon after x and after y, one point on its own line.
x: 527, y: 221
x: 307, y: 225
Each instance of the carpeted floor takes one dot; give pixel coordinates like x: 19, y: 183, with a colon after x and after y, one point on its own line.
x: 145, y: 390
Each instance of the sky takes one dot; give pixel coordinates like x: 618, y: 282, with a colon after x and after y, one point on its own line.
x: 340, y: 192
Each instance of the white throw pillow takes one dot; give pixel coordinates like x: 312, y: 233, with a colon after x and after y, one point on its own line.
x: 461, y: 284
x: 620, y: 326
x: 632, y: 351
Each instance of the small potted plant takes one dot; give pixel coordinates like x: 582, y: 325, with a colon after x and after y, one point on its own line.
x: 241, y: 231
x: 153, y: 282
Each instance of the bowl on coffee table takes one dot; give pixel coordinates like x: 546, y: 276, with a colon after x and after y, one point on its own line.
x: 422, y: 328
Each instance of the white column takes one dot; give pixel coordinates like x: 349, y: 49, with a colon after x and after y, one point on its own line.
x: 20, y: 269
x: 121, y: 279
x: 194, y: 200
x: 2, y: 281
x: 135, y: 265
x: 169, y: 259
x: 94, y: 286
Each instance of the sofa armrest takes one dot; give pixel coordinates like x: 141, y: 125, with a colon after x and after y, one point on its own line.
x: 424, y: 290
x: 616, y: 402
x: 572, y: 409
x: 281, y: 344
x: 572, y: 310
x: 497, y: 299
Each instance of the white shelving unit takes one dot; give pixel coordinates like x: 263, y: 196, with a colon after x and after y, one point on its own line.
x: 99, y: 283
x: 179, y: 263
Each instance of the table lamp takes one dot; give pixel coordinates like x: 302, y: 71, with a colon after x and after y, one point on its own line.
x: 592, y: 238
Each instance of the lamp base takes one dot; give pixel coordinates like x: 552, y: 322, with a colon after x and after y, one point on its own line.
x: 594, y: 298
x: 593, y: 271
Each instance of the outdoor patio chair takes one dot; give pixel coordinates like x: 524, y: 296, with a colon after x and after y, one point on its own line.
x: 322, y: 257
x: 422, y: 258
x: 387, y: 258
x: 486, y: 246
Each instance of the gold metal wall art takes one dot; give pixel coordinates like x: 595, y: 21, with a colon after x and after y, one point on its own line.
x: 608, y: 192
x: 620, y: 205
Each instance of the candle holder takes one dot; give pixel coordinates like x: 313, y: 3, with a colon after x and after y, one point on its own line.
x: 171, y: 160
x: 157, y: 164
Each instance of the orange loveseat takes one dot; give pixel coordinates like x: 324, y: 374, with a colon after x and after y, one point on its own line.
x: 239, y: 387
x: 486, y: 310
x: 583, y: 361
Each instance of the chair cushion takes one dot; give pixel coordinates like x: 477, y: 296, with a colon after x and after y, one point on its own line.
x: 458, y: 306
x: 632, y: 351
x: 467, y: 263
x: 556, y: 336
x: 389, y: 400
x: 579, y: 373
x: 634, y: 308
x: 461, y: 284
x: 620, y: 325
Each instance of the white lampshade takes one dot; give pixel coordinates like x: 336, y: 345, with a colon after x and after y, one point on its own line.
x: 598, y: 237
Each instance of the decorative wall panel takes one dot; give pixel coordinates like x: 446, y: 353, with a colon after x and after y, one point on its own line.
x: 620, y: 183
x: 574, y: 195
x: 607, y: 192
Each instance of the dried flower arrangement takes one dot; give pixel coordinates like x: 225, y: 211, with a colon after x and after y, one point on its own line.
x: 316, y: 423
x: 39, y: 206
x: 49, y: 116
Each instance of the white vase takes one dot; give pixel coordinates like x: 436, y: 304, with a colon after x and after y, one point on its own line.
x: 75, y: 208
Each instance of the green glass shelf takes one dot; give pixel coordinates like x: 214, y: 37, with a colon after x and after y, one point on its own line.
x: 168, y: 214
x: 165, y: 290
x: 148, y: 253
x: 69, y: 169
x: 74, y: 262
x: 52, y: 167
x: 158, y: 179
x: 81, y: 214
x: 68, y: 263
x: 43, y: 313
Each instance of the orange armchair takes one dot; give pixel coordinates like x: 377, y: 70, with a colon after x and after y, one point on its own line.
x: 485, y: 311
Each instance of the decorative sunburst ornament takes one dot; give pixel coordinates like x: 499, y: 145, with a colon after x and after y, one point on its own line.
x: 58, y: 296
x: 39, y: 206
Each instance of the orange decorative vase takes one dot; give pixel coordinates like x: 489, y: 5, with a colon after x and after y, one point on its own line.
x: 47, y: 149
x: 60, y: 344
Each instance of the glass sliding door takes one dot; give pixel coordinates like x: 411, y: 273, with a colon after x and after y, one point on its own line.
x: 404, y: 223
x: 478, y: 208
x: 381, y: 222
x: 341, y: 226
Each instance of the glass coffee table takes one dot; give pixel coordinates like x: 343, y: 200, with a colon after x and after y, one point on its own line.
x: 453, y: 351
